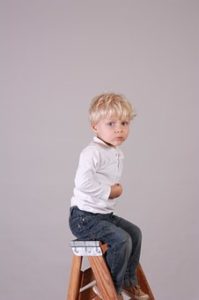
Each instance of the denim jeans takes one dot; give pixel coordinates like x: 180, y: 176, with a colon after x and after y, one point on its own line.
x: 123, y: 238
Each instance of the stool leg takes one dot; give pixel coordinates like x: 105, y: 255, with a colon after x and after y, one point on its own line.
x: 103, y: 277
x: 143, y: 282
x: 75, y: 278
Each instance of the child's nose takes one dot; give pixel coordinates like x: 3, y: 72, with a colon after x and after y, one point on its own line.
x: 118, y: 129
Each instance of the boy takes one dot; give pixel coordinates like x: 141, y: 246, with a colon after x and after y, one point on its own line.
x: 97, y: 189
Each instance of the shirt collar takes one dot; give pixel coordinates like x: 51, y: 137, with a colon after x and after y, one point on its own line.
x: 99, y: 141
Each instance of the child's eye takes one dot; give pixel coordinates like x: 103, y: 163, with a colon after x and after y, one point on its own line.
x: 110, y: 123
x: 125, y: 123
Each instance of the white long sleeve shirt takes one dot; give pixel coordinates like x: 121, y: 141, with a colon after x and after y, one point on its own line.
x: 100, y: 166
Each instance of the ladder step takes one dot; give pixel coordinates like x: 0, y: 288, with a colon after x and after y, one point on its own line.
x: 86, y: 248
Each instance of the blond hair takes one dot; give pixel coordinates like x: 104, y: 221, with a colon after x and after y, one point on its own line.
x: 108, y: 105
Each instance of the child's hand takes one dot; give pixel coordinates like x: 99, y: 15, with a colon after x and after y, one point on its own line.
x: 116, y: 191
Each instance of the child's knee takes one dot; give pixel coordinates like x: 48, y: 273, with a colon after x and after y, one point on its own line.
x: 139, y: 233
x: 138, y: 237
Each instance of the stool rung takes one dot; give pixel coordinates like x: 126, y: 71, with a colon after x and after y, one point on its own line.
x: 89, y: 285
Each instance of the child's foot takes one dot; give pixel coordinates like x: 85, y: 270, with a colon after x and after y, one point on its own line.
x: 97, y: 292
x: 136, y: 293
x: 120, y: 297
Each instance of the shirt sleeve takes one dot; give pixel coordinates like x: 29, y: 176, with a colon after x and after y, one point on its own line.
x: 86, y: 180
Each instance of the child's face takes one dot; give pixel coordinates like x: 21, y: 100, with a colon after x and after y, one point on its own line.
x: 112, y: 130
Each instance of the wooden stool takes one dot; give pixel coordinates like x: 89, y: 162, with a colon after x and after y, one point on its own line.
x: 81, y: 282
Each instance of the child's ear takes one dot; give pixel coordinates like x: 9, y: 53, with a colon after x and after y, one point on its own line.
x: 94, y: 127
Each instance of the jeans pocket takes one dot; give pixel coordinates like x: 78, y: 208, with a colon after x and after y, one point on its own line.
x: 80, y: 222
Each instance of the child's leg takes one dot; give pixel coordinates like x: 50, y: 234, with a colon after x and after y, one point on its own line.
x: 88, y: 226
x: 136, y: 238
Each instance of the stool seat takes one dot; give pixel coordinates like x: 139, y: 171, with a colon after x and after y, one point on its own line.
x: 86, y: 248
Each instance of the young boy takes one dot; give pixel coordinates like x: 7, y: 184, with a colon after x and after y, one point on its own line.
x: 96, y: 191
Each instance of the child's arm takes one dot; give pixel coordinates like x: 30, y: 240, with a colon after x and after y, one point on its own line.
x: 116, y: 191
x: 86, y: 180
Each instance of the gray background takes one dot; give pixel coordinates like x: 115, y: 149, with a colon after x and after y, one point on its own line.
x: 57, y: 55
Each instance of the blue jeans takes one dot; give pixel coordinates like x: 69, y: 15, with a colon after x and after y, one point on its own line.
x: 124, y: 240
